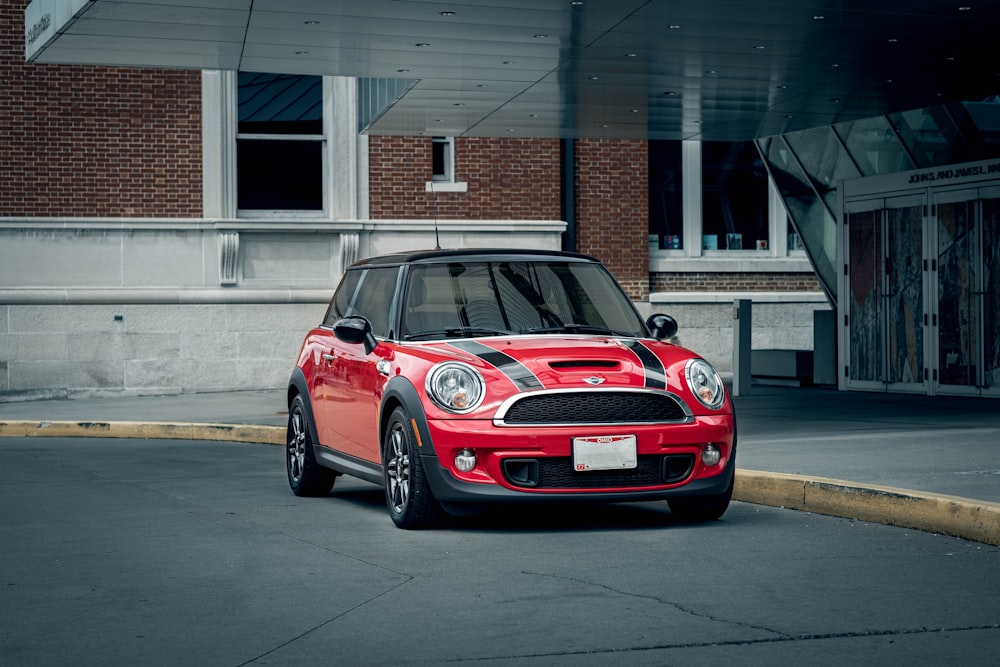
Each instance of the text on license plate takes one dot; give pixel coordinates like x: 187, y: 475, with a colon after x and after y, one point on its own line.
x: 604, y: 452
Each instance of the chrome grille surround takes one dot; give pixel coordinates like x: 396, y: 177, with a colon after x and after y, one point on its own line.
x: 611, y: 406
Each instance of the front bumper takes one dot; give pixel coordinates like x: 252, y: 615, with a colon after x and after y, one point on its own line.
x: 536, y: 464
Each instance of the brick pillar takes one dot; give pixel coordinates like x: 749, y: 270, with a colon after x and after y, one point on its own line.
x: 612, y: 208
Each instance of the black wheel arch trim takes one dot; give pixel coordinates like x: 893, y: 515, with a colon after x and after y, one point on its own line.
x: 400, y: 390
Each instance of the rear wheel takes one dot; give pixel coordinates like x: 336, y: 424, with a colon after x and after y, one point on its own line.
x: 702, y: 508
x: 407, y: 493
x: 306, y: 477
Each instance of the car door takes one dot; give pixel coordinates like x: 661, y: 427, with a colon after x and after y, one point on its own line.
x: 352, y: 383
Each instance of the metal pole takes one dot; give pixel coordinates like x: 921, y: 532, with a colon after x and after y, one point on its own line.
x: 742, y: 320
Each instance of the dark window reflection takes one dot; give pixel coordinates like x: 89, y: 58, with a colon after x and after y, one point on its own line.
x: 279, y: 175
x: 666, y: 224
x: 734, y: 203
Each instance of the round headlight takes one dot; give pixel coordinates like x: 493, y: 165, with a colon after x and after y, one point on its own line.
x: 705, y: 383
x: 456, y: 387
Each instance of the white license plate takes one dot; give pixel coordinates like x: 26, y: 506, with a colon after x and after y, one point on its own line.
x: 604, y: 452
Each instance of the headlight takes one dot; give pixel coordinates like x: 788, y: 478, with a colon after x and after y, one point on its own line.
x: 705, y: 383
x: 456, y: 387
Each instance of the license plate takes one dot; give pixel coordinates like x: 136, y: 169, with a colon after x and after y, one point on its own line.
x: 604, y: 452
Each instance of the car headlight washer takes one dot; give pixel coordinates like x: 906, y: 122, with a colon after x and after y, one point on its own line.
x: 705, y: 383
x: 456, y: 387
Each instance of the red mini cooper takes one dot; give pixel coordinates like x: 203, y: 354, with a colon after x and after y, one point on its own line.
x: 456, y: 378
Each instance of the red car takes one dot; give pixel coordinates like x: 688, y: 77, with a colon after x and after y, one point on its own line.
x: 457, y: 378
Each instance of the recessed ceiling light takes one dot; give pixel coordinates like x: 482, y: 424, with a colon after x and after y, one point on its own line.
x: 633, y: 110
x: 835, y: 99
x: 835, y: 65
x: 541, y: 36
x: 592, y: 78
x: 447, y: 13
x: 965, y: 8
x: 509, y: 62
x: 818, y: 17
x: 302, y: 53
x: 576, y: 3
x: 760, y: 47
x: 893, y: 40
x: 459, y: 104
x: 670, y: 92
x: 631, y: 55
x: 402, y: 70
x: 421, y: 44
x: 481, y: 85
x: 311, y: 22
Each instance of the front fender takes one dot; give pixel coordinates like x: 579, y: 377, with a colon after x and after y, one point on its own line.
x: 399, y: 390
x: 298, y: 386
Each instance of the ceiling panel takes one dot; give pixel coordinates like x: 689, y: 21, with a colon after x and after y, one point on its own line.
x: 707, y: 69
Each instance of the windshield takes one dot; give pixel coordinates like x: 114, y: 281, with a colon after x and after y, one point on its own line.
x: 496, y: 298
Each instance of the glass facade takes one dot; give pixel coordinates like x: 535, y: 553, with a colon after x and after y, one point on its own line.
x: 806, y: 166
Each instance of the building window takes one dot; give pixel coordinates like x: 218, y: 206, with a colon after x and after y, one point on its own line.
x: 734, y: 197
x: 666, y: 221
x: 280, y: 143
x: 443, y: 167
x: 443, y: 159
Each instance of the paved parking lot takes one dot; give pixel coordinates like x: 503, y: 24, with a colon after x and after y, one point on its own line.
x: 179, y: 552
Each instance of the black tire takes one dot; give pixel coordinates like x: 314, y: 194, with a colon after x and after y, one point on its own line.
x: 407, y: 494
x: 306, y: 477
x: 702, y: 508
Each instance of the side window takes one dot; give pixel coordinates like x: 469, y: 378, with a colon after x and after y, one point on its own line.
x: 340, y: 305
x: 375, y: 298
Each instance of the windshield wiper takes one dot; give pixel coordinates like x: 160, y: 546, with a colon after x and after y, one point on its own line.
x: 456, y: 332
x: 583, y: 329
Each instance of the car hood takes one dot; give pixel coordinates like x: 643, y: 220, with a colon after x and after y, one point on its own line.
x: 558, y: 362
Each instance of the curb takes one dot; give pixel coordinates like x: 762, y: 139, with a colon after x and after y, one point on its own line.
x: 930, y: 512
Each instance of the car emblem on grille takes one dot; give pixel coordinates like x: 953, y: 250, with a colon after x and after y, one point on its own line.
x: 593, y: 379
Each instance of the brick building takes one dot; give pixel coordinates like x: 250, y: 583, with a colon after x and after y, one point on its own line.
x: 142, y: 249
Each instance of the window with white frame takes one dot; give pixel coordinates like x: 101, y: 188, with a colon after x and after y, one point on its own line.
x: 280, y: 143
x: 443, y: 159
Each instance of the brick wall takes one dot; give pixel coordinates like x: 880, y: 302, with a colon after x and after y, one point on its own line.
x: 734, y: 282
x: 612, y: 208
x: 508, y: 179
x: 95, y: 141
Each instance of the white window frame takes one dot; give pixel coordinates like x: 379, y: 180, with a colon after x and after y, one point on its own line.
x: 445, y: 182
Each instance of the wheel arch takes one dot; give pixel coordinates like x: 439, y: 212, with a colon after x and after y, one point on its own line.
x: 298, y: 386
x: 400, y: 392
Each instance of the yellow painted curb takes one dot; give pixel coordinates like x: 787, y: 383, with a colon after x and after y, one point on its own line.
x: 271, y: 435
x: 937, y: 513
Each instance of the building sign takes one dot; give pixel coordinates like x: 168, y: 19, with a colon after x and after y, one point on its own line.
x: 951, y: 175
x: 33, y: 32
x: 943, y: 175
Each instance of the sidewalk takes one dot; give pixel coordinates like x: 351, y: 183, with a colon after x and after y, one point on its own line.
x: 938, y: 453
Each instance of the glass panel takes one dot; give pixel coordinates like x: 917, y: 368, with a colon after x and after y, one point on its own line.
x: 931, y: 137
x: 734, y: 201
x: 874, y: 146
x: 341, y: 302
x: 991, y: 292
x: 280, y: 104
x: 904, y: 278
x: 865, y: 247
x: 823, y: 157
x: 666, y: 222
x: 957, y: 307
x: 812, y: 220
x: 279, y: 175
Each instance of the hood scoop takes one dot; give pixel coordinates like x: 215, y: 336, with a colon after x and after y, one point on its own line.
x: 584, y: 364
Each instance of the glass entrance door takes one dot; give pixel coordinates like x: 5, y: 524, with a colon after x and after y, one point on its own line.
x: 957, y: 318
x: 904, y: 294
x: 991, y: 291
x: 885, y: 274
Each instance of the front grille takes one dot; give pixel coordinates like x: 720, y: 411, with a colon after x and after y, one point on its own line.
x: 591, y: 407
x: 558, y: 473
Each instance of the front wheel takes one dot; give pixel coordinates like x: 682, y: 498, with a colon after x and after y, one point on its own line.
x: 702, y: 508
x: 306, y: 477
x: 407, y: 493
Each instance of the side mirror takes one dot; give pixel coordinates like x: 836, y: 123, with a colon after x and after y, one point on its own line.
x: 357, y: 331
x: 661, y: 326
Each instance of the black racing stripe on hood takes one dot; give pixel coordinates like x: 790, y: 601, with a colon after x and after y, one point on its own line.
x: 509, y: 366
x: 656, y: 375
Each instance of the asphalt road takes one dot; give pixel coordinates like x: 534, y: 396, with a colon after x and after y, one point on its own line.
x: 117, y: 552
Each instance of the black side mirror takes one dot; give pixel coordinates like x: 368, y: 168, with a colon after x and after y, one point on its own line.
x: 355, y: 330
x: 661, y: 326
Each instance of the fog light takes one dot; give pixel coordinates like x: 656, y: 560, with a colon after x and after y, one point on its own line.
x: 465, y: 460
x: 711, y: 455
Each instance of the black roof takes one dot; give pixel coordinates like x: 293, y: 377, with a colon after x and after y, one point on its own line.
x: 478, y: 254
